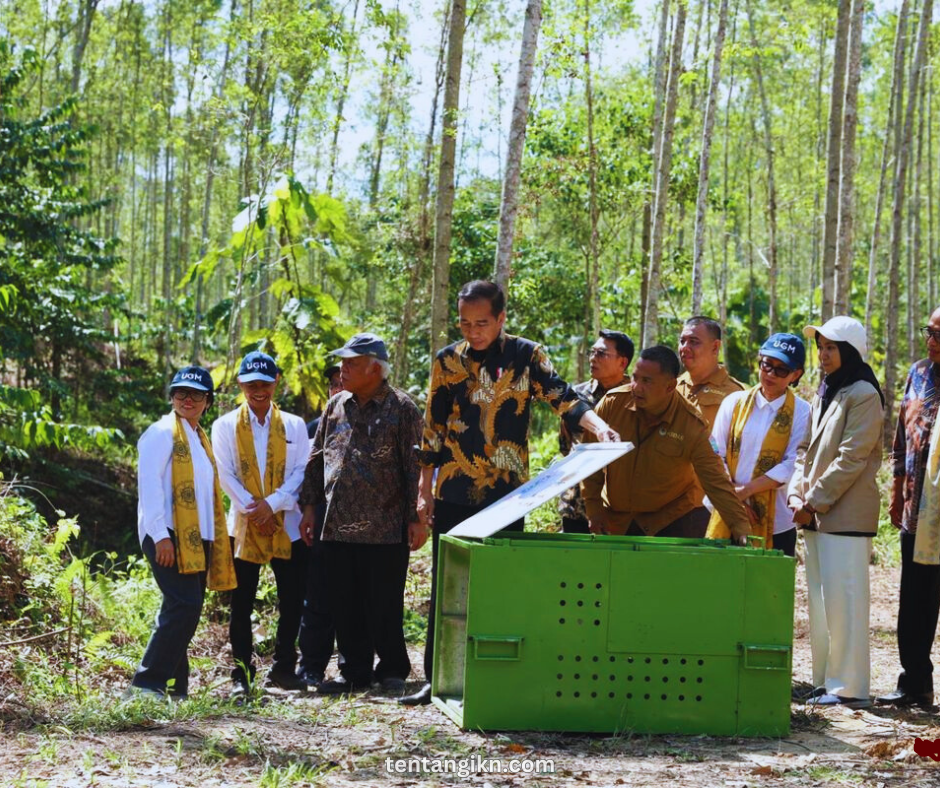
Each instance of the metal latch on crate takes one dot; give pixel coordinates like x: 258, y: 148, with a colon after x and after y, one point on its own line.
x: 761, y: 657
x: 501, y: 647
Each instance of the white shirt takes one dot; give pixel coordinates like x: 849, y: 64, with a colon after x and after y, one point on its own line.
x: 752, y: 438
x: 284, y: 498
x: 155, y: 481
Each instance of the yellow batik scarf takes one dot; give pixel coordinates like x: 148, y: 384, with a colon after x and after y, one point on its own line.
x: 250, y: 544
x: 190, y: 555
x: 771, y: 452
x: 927, y: 536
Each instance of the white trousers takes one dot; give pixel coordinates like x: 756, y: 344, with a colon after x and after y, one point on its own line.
x: 839, y: 595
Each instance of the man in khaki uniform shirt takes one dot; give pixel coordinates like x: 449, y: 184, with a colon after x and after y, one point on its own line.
x: 652, y: 490
x: 705, y: 382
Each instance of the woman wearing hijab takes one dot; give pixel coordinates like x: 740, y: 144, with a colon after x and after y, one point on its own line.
x: 181, y: 526
x: 835, y: 499
x: 757, y: 433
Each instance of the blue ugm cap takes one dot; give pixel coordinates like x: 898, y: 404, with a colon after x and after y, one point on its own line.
x: 192, y: 378
x: 257, y: 366
x: 788, y: 348
x: 363, y: 345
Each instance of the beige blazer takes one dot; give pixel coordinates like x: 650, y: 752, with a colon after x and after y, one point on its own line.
x: 838, y: 460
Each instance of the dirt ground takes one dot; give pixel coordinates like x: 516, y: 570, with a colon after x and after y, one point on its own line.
x: 307, y: 740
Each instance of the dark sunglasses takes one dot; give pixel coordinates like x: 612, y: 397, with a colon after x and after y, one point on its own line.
x: 930, y: 333
x: 780, y: 372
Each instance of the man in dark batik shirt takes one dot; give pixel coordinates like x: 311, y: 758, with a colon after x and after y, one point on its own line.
x: 364, y: 466
x: 919, y: 601
x: 610, y: 358
x: 477, y: 423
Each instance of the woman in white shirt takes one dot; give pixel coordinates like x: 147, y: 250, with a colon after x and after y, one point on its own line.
x: 757, y: 433
x: 835, y: 498
x: 181, y: 526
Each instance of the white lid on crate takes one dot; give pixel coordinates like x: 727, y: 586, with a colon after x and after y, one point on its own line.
x: 584, y: 459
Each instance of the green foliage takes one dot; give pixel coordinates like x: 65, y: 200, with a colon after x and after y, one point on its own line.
x: 46, y: 255
x: 306, y: 325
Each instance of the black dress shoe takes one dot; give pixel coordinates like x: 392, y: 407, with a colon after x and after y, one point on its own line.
x: 901, y: 698
x: 311, y: 678
x: 286, y: 681
x: 340, y: 686
x: 421, y: 698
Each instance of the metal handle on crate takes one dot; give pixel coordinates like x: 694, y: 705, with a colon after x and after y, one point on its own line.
x: 502, y: 648
x: 751, y: 651
x: 759, y: 540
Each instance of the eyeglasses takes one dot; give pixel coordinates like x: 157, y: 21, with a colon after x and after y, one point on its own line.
x: 196, y: 396
x: 596, y: 353
x: 773, y: 369
x: 930, y: 333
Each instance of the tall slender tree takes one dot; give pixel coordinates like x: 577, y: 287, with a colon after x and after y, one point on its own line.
x: 704, y: 162
x: 440, y: 300
x: 834, y: 158
x: 509, y: 205
x: 663, y: 170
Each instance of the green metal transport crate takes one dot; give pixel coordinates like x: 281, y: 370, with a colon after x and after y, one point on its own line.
x: 564, y: 632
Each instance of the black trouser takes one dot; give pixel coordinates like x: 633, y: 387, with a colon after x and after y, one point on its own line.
x: 447, y: 516
x: 367, y: 599
x: 289, y: 575
x: 574, y: 525
x: 165, y: 659
x: 918, y: 608
x: 786, y: 541
x: 317, y: 633
x: 691, y: 525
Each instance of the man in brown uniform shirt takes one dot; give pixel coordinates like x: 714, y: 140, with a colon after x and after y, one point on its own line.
x: 652, y: 490
x: 705, y: 382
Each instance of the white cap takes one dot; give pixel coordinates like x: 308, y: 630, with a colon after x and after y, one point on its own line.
x: 841, y: 328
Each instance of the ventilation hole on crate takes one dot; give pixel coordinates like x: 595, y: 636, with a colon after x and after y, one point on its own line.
x: 577, y: 659
x: 580, y: 585
x: 682, y: 679
x: 597, y: 604
x: 629, y: 660
x: 610, y: 695
x: 629, y: 696
x: 665, y: 661
x: 560, y: 676
x: 682, y: 661
x: 596, y: 659
x: 562, y: 603
x: 698, y: 680
x: 580, y: 603
x: 614, y: 659
x: 682, y: 697
x: 593, y: 694
x: 598, y: 586
x: 613, y: 678
x: 648, y: 660
x: 594, y: 677
x: 663, y: 697
x: 558, y: 694
x: 646, y: 697
x: 577, y: 676
x: 665, y: 679
x: 561, y: 621
x: 698, y: 698
x: 561, y: 658
x: 564, y: 585
x: 701, y: 662
x: 629, y: 678
x: 577, y: 694
x: 646, y: 678
x: 597, y: 622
